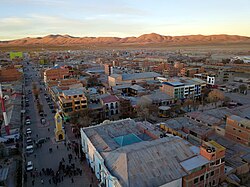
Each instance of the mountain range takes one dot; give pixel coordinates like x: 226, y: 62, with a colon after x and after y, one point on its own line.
x: 153, y: 38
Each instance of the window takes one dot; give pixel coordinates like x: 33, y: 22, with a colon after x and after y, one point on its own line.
x: 77, y: 102
x: 83, y: 101
x: 80, y: 95
x: 116, y: 105
x: 239, y: 130
x: 112, y: 112
x: 211, y: 163
x: 111, y: 105
x: 222, y: 160
x: 196, y: 180
x: 238, y: 138
x: 212, y: 173
x: 207, y: 175
x: 202, y: 178
x: 213, y: 182
x: 116, y: 111
x: 75, y: 96
x: 217, y: 161
x: 77, y: 108
x: 107, y: 106
x: 234, y: 129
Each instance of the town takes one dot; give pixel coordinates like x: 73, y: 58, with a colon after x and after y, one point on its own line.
x: 132, y: 118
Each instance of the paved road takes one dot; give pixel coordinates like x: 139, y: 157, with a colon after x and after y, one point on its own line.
x: 41, y: 157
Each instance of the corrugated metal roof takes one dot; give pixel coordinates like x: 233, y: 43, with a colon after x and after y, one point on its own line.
x: 194, y: 162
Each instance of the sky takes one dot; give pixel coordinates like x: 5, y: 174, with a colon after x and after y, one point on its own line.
x: 122, y: 18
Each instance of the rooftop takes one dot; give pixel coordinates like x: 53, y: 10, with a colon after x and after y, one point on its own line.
x: 73, y: 92
x: 143, y: 75
x: 194, y: 162
x: 110, y: 99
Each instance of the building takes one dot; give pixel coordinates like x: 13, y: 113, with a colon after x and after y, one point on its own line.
x: 225, y: 75
x: 56, y: 73
x: 184, y: 88
x: 190, y: 72
x: 111, y: 105
x: 238, y: 129
x: 108, y: 69
x: 131, y: 154
x: 9, y: 74
x: 158, y: 98
x: 206, y: 169
x: 209, y: 78
x: 116, y: 79
x: 72, y: 100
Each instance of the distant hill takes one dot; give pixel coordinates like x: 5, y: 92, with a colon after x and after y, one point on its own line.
x: 153, y: 38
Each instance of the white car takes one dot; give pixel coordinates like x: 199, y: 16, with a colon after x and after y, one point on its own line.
x: 28, y: 131
x: 29, y: 166
x: 28, y: 122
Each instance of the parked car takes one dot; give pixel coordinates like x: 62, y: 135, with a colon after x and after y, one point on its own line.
x: 29, y: 166
x: 28, y: 131
x: 28, y: 122
x: 43, y: 120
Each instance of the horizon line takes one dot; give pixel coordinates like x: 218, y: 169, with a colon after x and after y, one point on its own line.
x: 100, y: 36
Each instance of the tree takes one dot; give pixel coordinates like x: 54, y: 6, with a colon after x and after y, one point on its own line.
x: 143, y: 108
x: 187, y: 103
x: 242, y: 88
x: 215, y: 96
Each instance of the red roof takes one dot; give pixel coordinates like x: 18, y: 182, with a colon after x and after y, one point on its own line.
x: 110, y: 99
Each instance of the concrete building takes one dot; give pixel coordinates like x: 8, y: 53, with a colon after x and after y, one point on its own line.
x: 108, y: 69
x: 184, y: 88
x: 190, y: 72
x: 72, y: 100
x: 116, y: 79
x: 238, y: 129
x: 131, y: 154
x: 209, y: 78
x: 111, y: 104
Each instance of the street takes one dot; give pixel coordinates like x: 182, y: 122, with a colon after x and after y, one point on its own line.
x: 42, y: 158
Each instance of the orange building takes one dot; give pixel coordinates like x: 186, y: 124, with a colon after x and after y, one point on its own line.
x: 56, y: 74
x: 238, y: 129
x: 9, y: 74
x: 189, y: 72
x: 206, y: 169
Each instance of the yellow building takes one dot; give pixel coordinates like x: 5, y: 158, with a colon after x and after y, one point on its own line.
x: 59, y: 131
x: 72, y: 100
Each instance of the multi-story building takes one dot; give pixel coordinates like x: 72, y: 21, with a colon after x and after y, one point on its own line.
x: 238, y: 129
x: 184, y: 88
x: 225, y: 75
x: 131, y: 154
x: 9, y: 74
x: 189, y: 72
x: 206, y: 169
x: 108, y: 69
x: 72, y: 100
x: 56, y: 73
x: 116, y: 79
x: 111, y: 105
x: 209, y: 78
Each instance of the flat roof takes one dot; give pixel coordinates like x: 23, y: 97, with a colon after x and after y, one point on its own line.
x: 73, y: 92
x: 194, y: 162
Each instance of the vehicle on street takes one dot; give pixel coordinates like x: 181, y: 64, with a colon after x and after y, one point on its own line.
x: 29, y: 149
x: 28, y: 122
x: 40, y: 141
x: 43, y: 120
x: 29, y: 166
x: 29, y: 141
